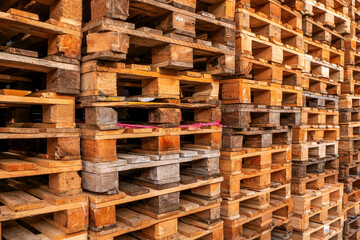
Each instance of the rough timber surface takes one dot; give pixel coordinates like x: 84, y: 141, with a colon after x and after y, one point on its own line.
x: 24, y: 201
x: 102, y: 81
x: 251, y: 21
x: 141, y: 133
x: 213, y: 53
x: 249, y: 140
x: 122, y: 228
x: 262, y: 70
x: 36, y: 228
x: 254, y: 224
x: 235, y: 162
x: 234, y: 116
x: 255, y: 179
x: 259, y: 93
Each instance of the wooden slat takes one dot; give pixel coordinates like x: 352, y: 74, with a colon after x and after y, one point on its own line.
x: 34, y: 100
x: 131, y: 218
x: 14, y: 231
x: 33, y: 64
x: 16, y: 165
x: 33, y: 27
x: 20, y: 201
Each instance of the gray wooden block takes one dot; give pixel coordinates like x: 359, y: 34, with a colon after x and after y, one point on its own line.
x: 162, y: 172
x: 100, y: 182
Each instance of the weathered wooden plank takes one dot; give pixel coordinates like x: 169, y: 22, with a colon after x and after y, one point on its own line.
x: 16, y: 165
x: 20, y: 201
x: 33, y: 64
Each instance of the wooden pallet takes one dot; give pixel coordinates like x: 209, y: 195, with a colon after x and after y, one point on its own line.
x: 59, y: 144
x: 149, y: 143
x: 187, y: 228
x: 351, y: 228
x: 133, y: 217
x: 319, y: 215
x: 336, y: 6
x: 328, y: 16
x: 349, y: 130
x: 216, y: 57
x: 319, y: 50
x: 352, y: 44
x: 303, y: 134
x: 313, y: 150
x: 133, y: 92
x: 351, y: 84
x: 262, y: 49
x: 159, y: 172
x: 128, y: 82
x: 14, y: 165
x: 354, y: 29
x: 56, y: 70
x: 254, y: 179
x: 282, y: 232
x: 64, y: 201
x: 259, y: 93
x: 350, y: 200
x: 56, y: 111
x: 319, y: 118
x: 61, y: 29
x: 353, y: 13
x: 349, y: 158
x: 317, y: 30
x: 349, y: 116
x: 248, y: 140
x: 261, y: 70
x: 51, y: 45
x: 317, y: 207
x: 281, y: 14
x: 244, y: 116
x: 321, y: 86
x: 331, y: 229
x: 251, y: 202
x: 351, y: 145
x: 255, y: 224
x: 313, y: 182
x: 236, y: 162
x: 350, y: 183
x: 318, y: 68
x: 265, y: 24
x: 348, y: 102
x: 317, y: 100
x: 300, y: 169
x: 346, y: 171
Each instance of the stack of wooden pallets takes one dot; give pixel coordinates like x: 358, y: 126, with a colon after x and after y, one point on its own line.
x: 260, y: 104
x: 40, y: 189
x: 150, y: 135
x: 349, y: 148
x: 315, y: 188
x: 196, y: 119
